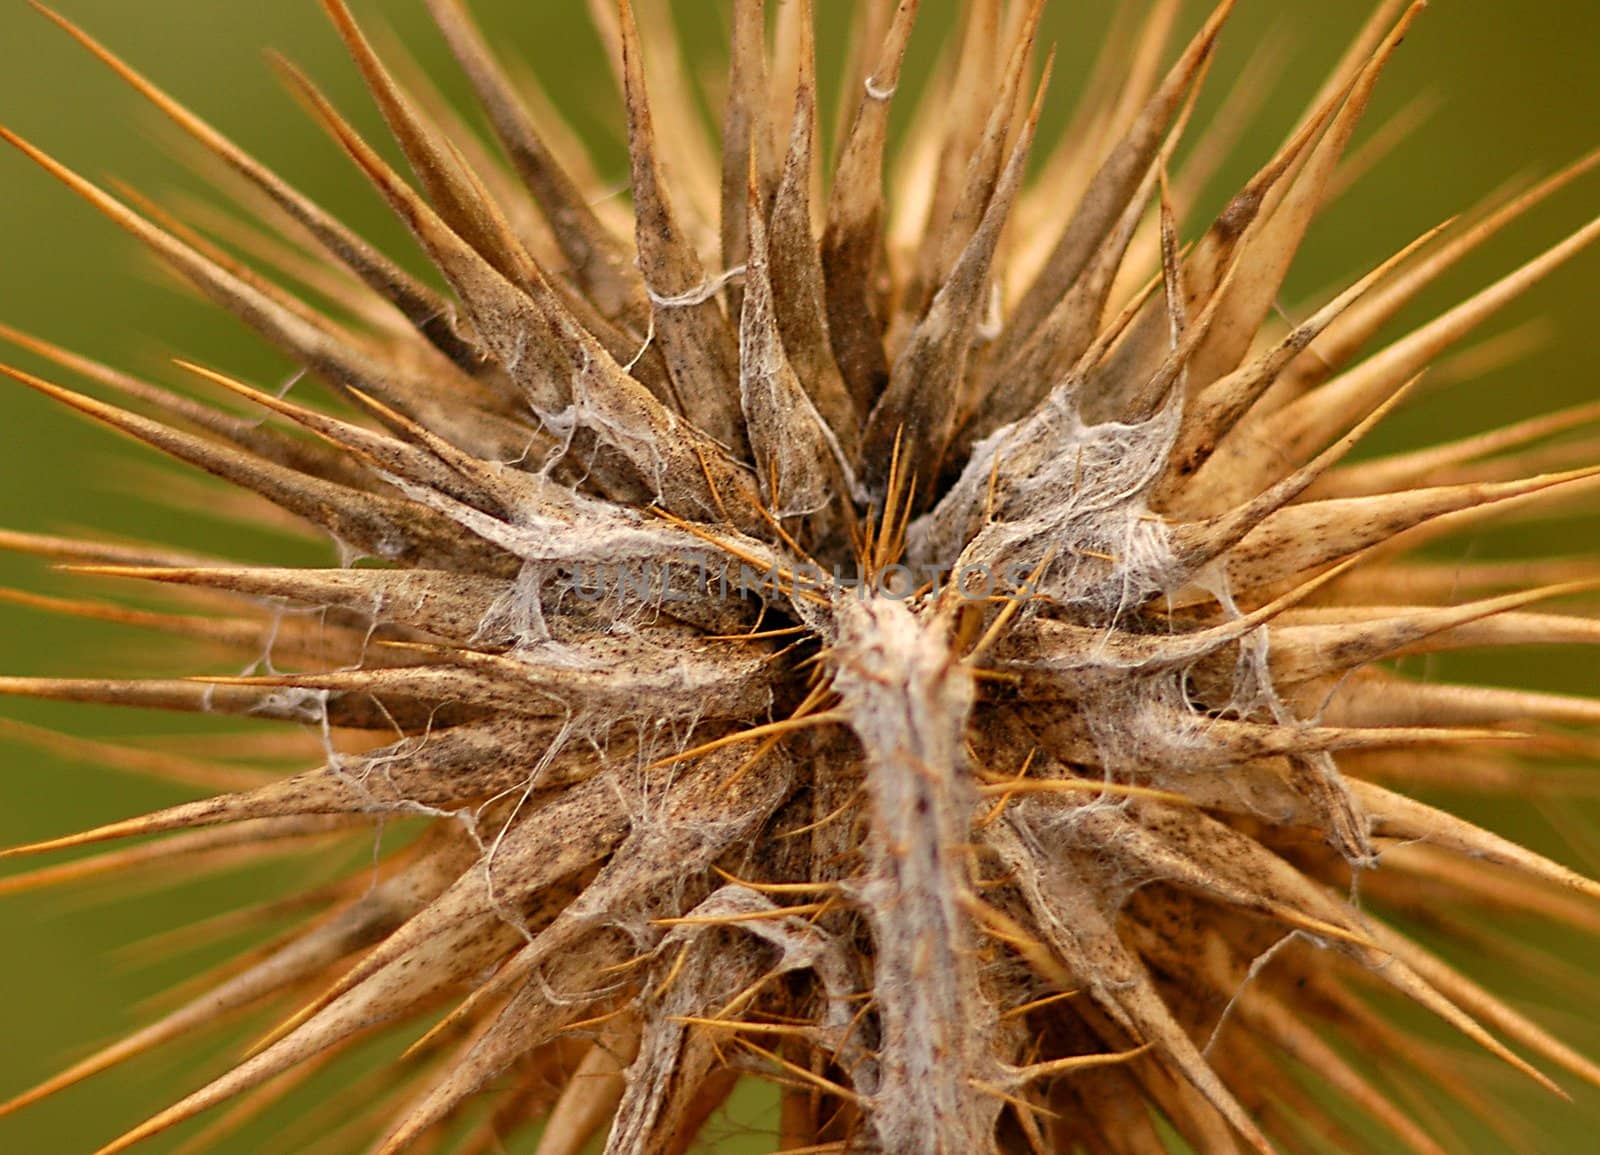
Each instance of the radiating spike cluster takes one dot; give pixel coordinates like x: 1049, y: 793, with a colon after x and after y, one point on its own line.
x: 896, y: 628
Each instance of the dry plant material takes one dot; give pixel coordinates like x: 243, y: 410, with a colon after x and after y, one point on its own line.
x: 911, y: 636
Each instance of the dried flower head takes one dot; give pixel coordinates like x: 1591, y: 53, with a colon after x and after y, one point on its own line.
x: 921, y: 648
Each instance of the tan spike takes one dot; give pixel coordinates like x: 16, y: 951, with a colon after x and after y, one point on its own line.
x: 1297, y: 423
x: 1189, y: 849
x: 268, y: 443
x: 498, y: 483
x: 291, y: 639
x: 417, y: 683
x: 1270, y: 244
x: 392, y: 995
x: 1423, y: 466
x: 328, y: 351
x: 1220, y: 743
x: 286, y: 253
x: 153, y: 482
x: 1379, y: 22
x: 157, y: 764
x: 420, y: 305
x: 799, y: 294
x: 1390, y: 701
x: 852, y: 241
x: 1554, y: 456
x: 1271, y: 1018
x: 1237, y: 109
x: 535, y: 337
x: 1424, y: 872
x: 1220, y: 406
x: 518, y: 865
x: 468, y: 271
x: 196, y: 240
x: 591, y: 1097
x: 229, y: 1123
x: 99, y: 552
x: 1126, y: 74
x: 1209, y: 258
x: 1397, y: 816
x: 1113, y: 185
x: 1439, y: 582
x: 1511, y: 629
x: 1300, y: 652
x: 1403, y: 978
x: 685, y: 317
x: 455, y: 194
x: 1386, y: 138
x: 530, y: 1017
x: 799, y: 458
x: 748, y: 144
x: 1144, y: 243
x: 1142, y: 400
x: 482, y: 165
x: 917, y: 410
x: 453, y: 605
x: 1270, y: 1092
x: 1065, y: 333
x: 386, y: 906
x: 1093, y: 655
x: 1288, y: 1114
x: 383, y: 526
x: 1345, y: 339
x: 1396, y: 1051
x: 1119, y: 60
x: 972, y: 156
x: 908, y: 178
x: 1491, y: 354
x: 950, y: 139
x: 378, y: 450
x: 1478, y: 1002
x: 629, y: 879
x: 721, y: 678
x: 1301, y: 537
x: 689, y: 155
x: 245, y: 842
x: 450, y: 769
x: 1143, y: 72
x: 1196, y: 544
x: 1118, y: 981
x: 599, y: 260
x: 353, y: 710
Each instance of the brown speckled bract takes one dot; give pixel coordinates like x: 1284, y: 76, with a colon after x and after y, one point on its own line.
x: 901, y: 626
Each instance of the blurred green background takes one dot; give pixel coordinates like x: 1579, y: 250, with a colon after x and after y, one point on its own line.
x: 1511, y: 90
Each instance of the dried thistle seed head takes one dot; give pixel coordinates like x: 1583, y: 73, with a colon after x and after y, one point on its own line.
x: 878, y: 624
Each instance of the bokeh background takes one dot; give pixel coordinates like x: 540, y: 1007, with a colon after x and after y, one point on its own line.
x: 1504, y: 90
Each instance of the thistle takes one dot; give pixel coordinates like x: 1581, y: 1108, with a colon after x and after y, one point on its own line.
x: 906, y: 632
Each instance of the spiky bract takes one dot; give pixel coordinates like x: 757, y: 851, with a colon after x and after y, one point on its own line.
x: 1014, y: 791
